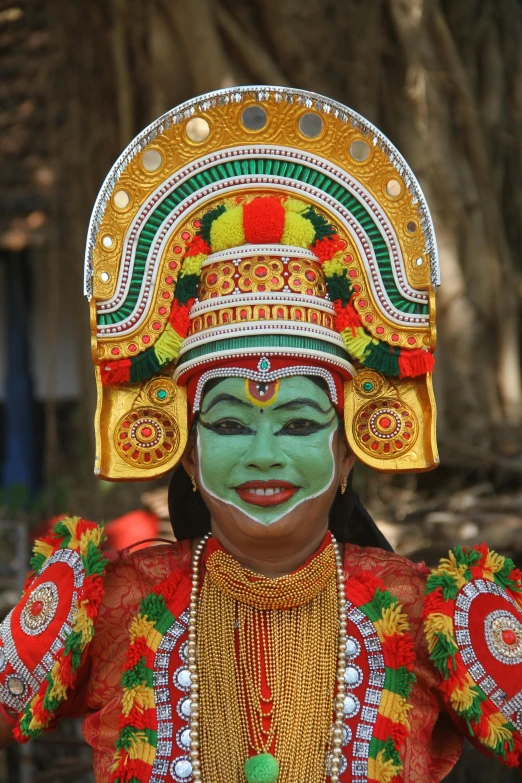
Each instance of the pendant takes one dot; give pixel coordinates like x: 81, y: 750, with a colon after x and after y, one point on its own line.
x: 263, y: 768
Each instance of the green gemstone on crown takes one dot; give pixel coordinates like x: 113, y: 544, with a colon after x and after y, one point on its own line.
x: 264, y: 365
x: 161, y: 394
x: 367, y: 386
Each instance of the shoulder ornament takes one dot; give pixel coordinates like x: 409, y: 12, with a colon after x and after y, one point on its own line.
x: 44, y: 639
x: 473, y: 626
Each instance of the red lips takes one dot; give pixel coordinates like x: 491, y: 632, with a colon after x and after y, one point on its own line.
x: 286, y: 491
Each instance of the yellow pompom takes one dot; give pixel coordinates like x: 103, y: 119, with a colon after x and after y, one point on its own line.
x: 227, y: 230
x: 294, y: 205
x: 334, y: 267
x: 192, y: 265
x: 298, y: 231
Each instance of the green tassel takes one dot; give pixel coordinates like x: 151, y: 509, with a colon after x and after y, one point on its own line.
x: 186, y: 288
x: 153, y: 606
x: 207, y: 220
x: 381, y: 358
x: 446, y: 581
x: 321, y: 225
x: 144, y: 366
x: 357, y: 346
x: 37, y: 562
x: 135, y: 676
x: 339, y: 288
x: 443, y: 650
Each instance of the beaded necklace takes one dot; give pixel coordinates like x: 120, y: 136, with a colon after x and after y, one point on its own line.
x: 203, y: 744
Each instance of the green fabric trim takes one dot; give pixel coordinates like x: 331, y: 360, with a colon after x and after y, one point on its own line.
x: 263, y: 341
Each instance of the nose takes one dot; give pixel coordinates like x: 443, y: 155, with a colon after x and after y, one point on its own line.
x: 265, y: 451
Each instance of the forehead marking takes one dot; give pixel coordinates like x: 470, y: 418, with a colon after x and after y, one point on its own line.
x: 261, y: 393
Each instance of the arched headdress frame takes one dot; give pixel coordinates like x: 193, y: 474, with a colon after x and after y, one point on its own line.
x: 266, y: 225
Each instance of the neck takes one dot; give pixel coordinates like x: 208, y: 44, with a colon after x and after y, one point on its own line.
x: 270, y: 558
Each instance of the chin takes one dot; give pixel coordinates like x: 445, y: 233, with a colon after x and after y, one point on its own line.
x: 234, y: 521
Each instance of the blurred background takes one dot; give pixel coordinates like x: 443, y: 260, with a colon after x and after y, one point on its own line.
x: 78, y: 80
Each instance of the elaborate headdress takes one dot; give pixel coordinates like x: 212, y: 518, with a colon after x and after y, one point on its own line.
x: 261, y: 232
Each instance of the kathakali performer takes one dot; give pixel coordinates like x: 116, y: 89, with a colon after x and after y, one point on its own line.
x: 261, y: 267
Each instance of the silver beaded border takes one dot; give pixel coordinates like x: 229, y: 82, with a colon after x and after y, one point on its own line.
x: 311, y: 100
x: 163, y: 756
x: 263, y: 377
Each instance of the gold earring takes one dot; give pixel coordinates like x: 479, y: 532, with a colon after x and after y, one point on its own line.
x: 344, y: 484
x: 194, y: 485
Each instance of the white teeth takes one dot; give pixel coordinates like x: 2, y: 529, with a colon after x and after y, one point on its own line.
x: 265, y: 492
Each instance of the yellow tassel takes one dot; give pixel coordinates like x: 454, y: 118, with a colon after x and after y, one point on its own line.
x: 83, y: 624
x: 227, y: 230
x: 392, y: 621
x: 497, y: 730
x: 95, y: 535
x: 140, y: 626
x: 494, y: 562
x: 438, y: 624
x: 140, y: 696
x: 168, y: 345
x: 358, y: 345
x: 116, y: 761
x: 449, y: 566
x: 58, y: 689
x: 334, y: 267
x: 298, y: 231
x: 192, y: 265
x: 462, y: 698
x: 42, y: 548
x: 395, y: 707
x: 294, y: 205
x: 35, y: 724
x: 381, y: 770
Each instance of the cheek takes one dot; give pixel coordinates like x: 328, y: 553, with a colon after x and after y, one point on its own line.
x: 314, y: 459
x: 217, y: 456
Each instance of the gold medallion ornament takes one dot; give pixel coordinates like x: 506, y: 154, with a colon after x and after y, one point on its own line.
x: 302, y: 237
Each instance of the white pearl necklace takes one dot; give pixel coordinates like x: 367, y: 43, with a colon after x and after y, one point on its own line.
x: 337, y: 734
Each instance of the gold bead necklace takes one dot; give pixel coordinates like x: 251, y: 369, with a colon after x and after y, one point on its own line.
x: 240, y: 617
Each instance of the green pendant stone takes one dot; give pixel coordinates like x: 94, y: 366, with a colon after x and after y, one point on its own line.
x: 263, y: 768
x: 162, y: 394
x: 263, y: 366
x: 368, y: 386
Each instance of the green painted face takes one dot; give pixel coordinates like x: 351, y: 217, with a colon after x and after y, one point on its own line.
x: 266, y: 450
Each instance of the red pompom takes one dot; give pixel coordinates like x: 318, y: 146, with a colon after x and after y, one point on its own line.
x: 346, y: 317
x: 414, y: 363
x: 179, y: 317
x: 263, y: 220
x: 115, y: 372
x: 196, y: 246
x: 326, y: 248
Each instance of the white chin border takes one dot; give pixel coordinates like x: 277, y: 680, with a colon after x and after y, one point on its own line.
x: 283, y: 513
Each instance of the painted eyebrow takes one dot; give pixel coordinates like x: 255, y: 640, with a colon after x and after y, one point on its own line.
x: 225, y: 398
x: 299, y: 402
